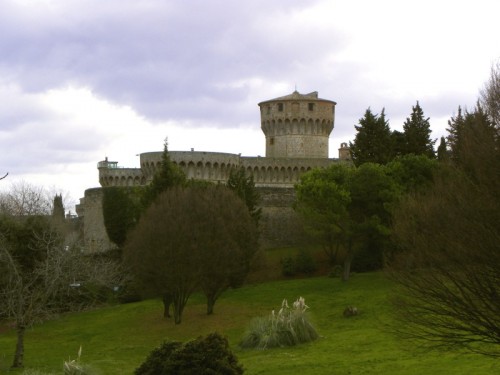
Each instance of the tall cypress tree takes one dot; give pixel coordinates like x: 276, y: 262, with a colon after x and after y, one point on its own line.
x: 455, y: 130
x: 244, y: 187
x: 373, y: 141
x: 417, y: 132
x: 462, y: 128
x: 398, y: 143
x: 442, y: 151
x: 168, y: 176
x: 58, y: 209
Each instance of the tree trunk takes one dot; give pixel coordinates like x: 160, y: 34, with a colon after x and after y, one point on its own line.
x: 347, y: 268
x: 19, y: 354
x: 167, y: 301
x: 210, y: 305
x: 178, y: 308
x: 347, y: 261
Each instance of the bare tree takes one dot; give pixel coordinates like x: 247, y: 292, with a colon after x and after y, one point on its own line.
x: 1, y: 178
x: 41, y: 273
x: 38, y: 290
x: 490, y: 95
x: 25, y: 199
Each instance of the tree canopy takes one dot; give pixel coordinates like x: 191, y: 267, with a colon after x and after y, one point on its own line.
x: 197, y: 236
x: 464, y: 129
x: 347, y: 208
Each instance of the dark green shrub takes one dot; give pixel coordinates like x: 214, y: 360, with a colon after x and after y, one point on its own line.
x: 336, y: 271
x: 288, y: 266
x: 305, y: 263
x: 129, y: 292
x: 157, y: 360
x: 208, y: 355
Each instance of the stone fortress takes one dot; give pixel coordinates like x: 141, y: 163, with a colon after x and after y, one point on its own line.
x: 297, y: 128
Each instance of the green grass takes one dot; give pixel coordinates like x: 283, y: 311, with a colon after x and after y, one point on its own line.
x: 116, y: 339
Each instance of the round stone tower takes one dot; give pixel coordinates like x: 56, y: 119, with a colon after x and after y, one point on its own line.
x: 297, y: 125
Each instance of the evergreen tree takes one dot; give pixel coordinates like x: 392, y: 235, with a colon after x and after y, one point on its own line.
x: 417, y: 133
x: 373, y: 140
x: 58, y: 209
x: 168, y: 176
x: 398, y: 143
x: 244, y: 187
x: 442, y: 151
x: 462, y: 128
x: 455, y: 133
x: 121, y: 209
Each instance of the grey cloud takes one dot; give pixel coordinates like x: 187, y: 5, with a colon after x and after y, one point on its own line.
x: 165, y: 58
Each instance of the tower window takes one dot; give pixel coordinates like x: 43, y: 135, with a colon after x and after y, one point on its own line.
x: 280, y: 107
x: 268, y: 109
x: 311, y: 106
x: 271, y: 141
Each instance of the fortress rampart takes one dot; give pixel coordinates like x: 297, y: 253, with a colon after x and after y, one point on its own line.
x: 297, y: 128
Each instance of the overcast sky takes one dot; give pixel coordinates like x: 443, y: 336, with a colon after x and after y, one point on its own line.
x: 84, y: 79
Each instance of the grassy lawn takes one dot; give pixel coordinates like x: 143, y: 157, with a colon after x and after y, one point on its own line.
x: 116, y: 339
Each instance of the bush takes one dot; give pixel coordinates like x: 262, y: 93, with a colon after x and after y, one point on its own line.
x: 304, y: 262
x: 157, y: 361
x: 336, y: 271
x: 203, y: 356
x: 287, y: 328
x: 288, y: 266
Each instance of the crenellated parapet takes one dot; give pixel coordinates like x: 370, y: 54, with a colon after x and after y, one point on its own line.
x: 214, y: 167
x: 199, y: 165
x: 280, y: 172
x: 110, y: 174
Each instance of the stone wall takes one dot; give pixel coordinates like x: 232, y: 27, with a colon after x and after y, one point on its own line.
x: 279, y: 225
x: 94, y: 232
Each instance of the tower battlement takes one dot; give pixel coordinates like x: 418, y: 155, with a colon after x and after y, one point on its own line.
x: 297, y: 125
